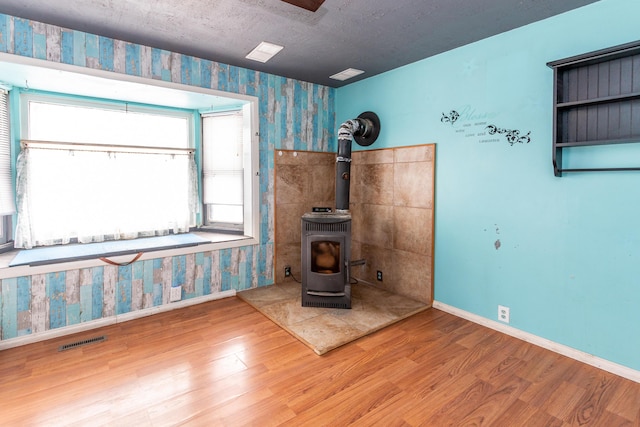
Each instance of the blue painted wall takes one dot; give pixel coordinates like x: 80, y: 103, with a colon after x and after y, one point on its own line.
x: 562, y: 253
x: 293, y: 115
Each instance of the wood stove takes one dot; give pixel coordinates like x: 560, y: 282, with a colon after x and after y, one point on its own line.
x: 326, y: 236
x: 326, y: 253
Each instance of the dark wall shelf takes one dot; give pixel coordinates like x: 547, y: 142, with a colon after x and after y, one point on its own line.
x: 596, y: 101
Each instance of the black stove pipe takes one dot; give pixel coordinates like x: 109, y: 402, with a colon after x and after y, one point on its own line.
x: 364, y: 130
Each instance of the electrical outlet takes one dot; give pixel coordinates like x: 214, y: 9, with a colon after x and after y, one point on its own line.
x: 503, y: 314
x: 379, y: 275
x: 176, y: 294
x: 287, y: 271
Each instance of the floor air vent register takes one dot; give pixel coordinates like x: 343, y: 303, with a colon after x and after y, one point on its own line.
x: 77, y: 344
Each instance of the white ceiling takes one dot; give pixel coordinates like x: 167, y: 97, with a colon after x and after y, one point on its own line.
x: 371, y: 35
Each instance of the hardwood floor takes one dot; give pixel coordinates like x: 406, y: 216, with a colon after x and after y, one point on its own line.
x: 223, y: 363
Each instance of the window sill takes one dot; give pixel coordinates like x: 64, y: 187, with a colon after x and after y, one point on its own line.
x: 214, y: 241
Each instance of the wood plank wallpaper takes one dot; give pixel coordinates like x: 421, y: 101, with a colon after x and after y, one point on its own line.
x: 294, y: 115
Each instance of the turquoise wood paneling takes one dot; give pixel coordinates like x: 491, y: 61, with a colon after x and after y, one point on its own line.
x: 132, y: 60
x: 23, y: 37
x: 80, y: 48
x: 40, y: 46
x: 123, y: 290
x: 67, y: 48
x: 97, y: 292
x: 105, y: 48
x: 24, y: 294
x: 225, y: 269
x: 73, y: 314
x: 55, y: 285
x: 292, y: 115
x: 5, y: 30
x: 9, y: 303
x: 92, y: 43
x: 179, y: 270
x: 562, y: 253
x: 86, y: 302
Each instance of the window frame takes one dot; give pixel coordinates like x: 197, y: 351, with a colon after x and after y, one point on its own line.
x: 6, y: 220
x: 29, y: 95
x: 70, y: 80
x: 6, y: 233
x: 186, y: 142
x: 251, y: 184
x: 247, y: 155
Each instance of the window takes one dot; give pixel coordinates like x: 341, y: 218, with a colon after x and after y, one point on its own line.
x: 92, y: 171
x: 226, y: 149
x: 7, y: 204
x: 58, y: 86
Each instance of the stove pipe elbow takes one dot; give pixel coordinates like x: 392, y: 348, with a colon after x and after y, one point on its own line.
x: 364, y: 130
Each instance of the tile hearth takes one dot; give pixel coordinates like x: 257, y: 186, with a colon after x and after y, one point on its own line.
x: 324, y: 329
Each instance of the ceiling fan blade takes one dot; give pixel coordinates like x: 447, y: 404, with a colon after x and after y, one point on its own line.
x: 311, y: 5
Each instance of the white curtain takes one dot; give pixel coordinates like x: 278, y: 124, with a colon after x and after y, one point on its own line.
x: 96, y: 195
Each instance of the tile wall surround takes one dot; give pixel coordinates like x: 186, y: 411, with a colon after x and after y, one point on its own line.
x: 292, y: 114
x: 303, y: 180
x: 391, y: 203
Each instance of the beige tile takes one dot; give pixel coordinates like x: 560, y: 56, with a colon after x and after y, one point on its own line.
x: 291, y: 288
x: 377, y: 258
x: 376, y: 183
x: 291, y: 184
x: 357, y: 157
x: 371, y: 157
x: 413, y: 184
x: 322, y: 159
x: 291, y: 157
x: 291, y: 313
x: 356, y: 252
x: 412, y: 276
x: 324, y: 329
x: 321, y: 183
x: 357, y: 272
x: 267, y: 295
x: 377, y: 225
x: 287, y: 254
x: 419, y: 153
x: 288, y: 219
x: 356, y: 186
x: 381, y: 303
x: 370, y: 317
x: 391, y: 206
x: 412, y: 230
x: 356, y: 221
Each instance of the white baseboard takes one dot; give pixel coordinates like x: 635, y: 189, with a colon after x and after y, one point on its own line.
x: 94, y: 324
x: 564, y: 350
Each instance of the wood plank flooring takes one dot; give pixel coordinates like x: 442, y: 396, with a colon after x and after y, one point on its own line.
x: 224, y: 364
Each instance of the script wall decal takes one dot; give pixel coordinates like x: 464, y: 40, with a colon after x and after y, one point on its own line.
x: 450, y: 118
x: 471, y: 124
x: 513, y: 135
